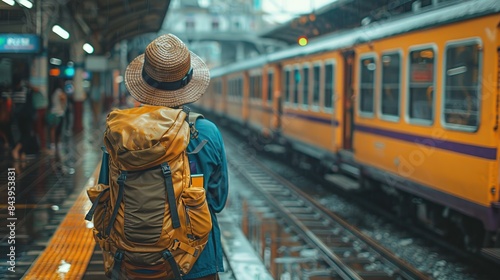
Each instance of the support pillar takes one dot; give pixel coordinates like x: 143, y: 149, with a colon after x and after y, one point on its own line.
x: 39, y: 80
x: 39, y: 75
x: 78, y: 57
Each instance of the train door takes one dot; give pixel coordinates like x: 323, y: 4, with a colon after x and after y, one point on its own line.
x: 245, y: 97
x: 348, y: 93
x: 279, y: 96
x: 224, y: 96
x: 269, y: 87
x: 498, y: 116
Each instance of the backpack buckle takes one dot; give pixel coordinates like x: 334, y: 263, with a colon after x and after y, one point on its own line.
x: 167, y: 255
x: 122, y: 177
x: 193, y: 130
x: 119, y: 255
x: 165, y: 168
x: 176, y: 245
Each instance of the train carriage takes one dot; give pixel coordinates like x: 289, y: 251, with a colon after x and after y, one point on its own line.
x: 312, y: 105
x: 236, y: 94
x: 409, y: 106
x: 427, y: 120
x: 208, y: 103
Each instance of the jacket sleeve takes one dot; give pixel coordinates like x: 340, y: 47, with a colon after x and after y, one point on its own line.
x: 218, y: 187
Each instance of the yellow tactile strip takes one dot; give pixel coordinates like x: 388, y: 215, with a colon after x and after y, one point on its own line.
x: 69, y: 251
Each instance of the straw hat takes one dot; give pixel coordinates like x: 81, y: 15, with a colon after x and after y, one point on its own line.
x: 167, y: 74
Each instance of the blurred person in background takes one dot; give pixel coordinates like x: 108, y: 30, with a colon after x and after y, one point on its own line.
x: 6, y: 118
x: 96, y: 94
x: 69, y: 90
x: 55, y: 117
x: 40, y: 103
x: 24, y: 114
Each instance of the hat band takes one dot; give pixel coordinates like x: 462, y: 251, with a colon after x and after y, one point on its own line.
x: 175, y: 85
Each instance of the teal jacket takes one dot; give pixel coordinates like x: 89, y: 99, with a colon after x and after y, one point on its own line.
x: 211, y: 162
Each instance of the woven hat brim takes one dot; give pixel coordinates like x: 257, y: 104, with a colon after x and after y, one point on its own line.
x: 146, y: 94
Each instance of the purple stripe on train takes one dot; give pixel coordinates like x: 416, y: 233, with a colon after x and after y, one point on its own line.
x: 477, y: 151
x: 312, y: 118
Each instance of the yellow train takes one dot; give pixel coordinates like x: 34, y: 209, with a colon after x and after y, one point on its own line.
x: 409, y: 106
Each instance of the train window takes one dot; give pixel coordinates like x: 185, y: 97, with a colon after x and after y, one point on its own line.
x: 316, y: 85
x: 240, y: 89
x: 305, y: 91
x: 233, y: 87
x: 461, y: 80
x: 236, y: 88
x: 367, y: 86
x: 259, y: 87
x: 329, y: 86
x: 218, y: 87
x: 421, y: 86
x: 287, y: 85
x: 297, y: 80
x: 255, y: 88
x: 270, y: 87
x: 391, y: 85
x: 252, y: 87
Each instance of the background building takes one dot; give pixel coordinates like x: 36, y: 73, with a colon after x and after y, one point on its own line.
x: 220, y: 31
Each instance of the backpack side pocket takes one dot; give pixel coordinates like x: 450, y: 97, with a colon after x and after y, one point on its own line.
x: 100, y: 214
x: 198, y: 219
x: 101, y: 210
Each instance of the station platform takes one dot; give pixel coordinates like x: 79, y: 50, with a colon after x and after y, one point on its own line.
x: 45, y: 235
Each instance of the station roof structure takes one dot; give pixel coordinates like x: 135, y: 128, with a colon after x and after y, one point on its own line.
x: 104, y: 22
x: 114, y: 20
x: 339, y: 15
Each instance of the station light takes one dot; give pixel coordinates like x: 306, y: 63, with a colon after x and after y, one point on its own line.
x: 69, y: 72
x: 9, y: 2
x: 55, y: 61
x: 60, y: 31
x: 86, y: 75
x: 118, y: 79
x: 88, y: 48
x: 25, y: 3
x: 302, y: 41
x: 54, y: 72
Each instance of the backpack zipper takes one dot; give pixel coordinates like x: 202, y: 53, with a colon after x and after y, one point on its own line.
x: 197, y: 205
x: 188, y: 219
x: 186, y: 207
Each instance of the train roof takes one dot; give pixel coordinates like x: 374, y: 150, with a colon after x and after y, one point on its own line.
x: 377, y: 30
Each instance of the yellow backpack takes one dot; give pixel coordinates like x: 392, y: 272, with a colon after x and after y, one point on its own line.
x: 152, y: 220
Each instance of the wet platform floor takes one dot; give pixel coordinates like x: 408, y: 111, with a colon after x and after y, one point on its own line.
x: 35, y: 195
x: 45, y: 188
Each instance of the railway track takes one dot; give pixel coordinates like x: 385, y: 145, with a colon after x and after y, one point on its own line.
x: 343, y: 251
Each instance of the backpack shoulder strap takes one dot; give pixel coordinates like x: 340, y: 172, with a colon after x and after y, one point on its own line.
x: 194, y: 116
x: 191, y: 119
x: 199, y: 147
